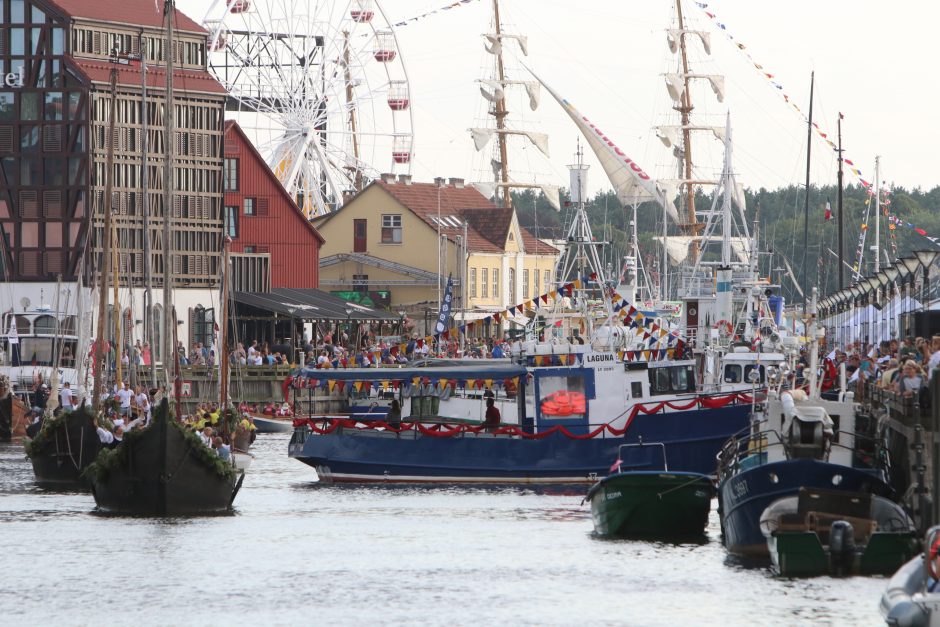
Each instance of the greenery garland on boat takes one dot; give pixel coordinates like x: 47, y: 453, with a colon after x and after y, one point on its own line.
x: 110, y: 458
x: 39, y: 444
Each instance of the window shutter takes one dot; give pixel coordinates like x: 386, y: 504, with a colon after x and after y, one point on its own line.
x: 52, y: 138
x: 262, y: 206
x: 53, y: 259
x: 52, y: 204
x: 29, y: 204
x: 6, y: 138
x: 192, y: 329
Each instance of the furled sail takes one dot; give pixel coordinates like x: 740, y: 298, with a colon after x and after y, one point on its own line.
x: 628, y: 179
x: 677, y: 247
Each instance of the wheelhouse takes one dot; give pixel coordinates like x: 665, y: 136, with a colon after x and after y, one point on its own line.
x: 39, y: 338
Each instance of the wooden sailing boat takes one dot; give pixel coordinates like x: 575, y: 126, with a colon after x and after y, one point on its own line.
x: 165, y: 469
x: 68, y: 443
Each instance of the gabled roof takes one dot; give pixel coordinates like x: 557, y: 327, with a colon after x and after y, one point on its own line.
x: 487, y: 225
x: 129, y: 75
x: 233, y: 127
x: 133, y: 12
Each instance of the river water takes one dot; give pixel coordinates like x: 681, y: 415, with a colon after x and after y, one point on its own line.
x: 296, y: 552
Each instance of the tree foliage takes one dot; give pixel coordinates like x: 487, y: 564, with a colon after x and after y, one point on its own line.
x: 780, y: 217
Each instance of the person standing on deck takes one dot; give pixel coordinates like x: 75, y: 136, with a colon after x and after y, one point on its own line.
x: 65, y: 397
x: 493, y: 417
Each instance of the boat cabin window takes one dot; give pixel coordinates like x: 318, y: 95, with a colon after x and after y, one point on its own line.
x: 44, y: 325
x: 22, y: 325
x: 732, y: 373
x: 562, y: 397
x: 636, y: 389
x: 425, y: 406
x: 748, y: 369
x: 672, y: 380
x: 38, y: 351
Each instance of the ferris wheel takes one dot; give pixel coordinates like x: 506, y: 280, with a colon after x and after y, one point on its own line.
x: 321, y: 89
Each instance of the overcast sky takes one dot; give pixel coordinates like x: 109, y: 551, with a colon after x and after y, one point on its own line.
x: 872, y: 62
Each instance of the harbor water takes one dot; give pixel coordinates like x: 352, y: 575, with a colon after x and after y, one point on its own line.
x: 296, y: 552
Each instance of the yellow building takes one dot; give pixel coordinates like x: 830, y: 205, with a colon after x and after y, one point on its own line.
x: 398, y: 241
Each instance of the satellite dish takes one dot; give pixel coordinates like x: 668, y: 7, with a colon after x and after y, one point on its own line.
x: 25, y: 303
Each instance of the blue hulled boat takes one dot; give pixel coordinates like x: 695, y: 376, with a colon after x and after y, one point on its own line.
x: 795, y: 443
x: 565, y: 411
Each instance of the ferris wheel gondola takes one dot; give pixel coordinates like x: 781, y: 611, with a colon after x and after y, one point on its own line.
x: 321, y: 89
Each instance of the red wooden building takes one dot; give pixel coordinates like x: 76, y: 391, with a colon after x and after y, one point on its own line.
x: 273, y: 244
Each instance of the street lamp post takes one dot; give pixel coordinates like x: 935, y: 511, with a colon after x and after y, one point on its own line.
x: 349, y: 313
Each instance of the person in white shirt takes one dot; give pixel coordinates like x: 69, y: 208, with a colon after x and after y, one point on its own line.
x: 143, y: 405
x: 65, y: 397
x: 125, y: 395
x: 934, y: 356
x: 206, y: 436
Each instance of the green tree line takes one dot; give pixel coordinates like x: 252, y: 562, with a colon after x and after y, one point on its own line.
x: 779, y: 215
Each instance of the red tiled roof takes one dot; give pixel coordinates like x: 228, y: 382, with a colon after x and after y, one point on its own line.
x: 422, y: 200
x: 184, y: 80
x: 492, y: 223
x: 136, y: 12
x: 487, y: 224
x: 232, y: 128
x: 535, y: 246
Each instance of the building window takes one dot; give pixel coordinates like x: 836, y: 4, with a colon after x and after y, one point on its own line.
x: 485, y: 283
x: 359, y: 235
x: 548, y: 280
x: 391, y: 229
x: 230, y: 175
x: 249, y: 205
x: 249, y: 250
x: 496, y: 284
x: 202, y: 328
x: 525, y: 283
x: 361, y: 282
x: 512, y: 284
x: 535, y: 286
x: 230, y: 228
x: 473, y: 282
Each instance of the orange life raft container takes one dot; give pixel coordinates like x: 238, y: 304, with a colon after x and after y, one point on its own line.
x: 564, y: 403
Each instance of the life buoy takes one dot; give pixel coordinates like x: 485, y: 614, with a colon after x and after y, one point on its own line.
x: 724, y: 325
x: 932, y: 558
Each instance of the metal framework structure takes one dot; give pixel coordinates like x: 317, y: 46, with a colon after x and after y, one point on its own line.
x: 321, y: 89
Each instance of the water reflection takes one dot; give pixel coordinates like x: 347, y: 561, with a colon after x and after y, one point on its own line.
x: 300, y: 552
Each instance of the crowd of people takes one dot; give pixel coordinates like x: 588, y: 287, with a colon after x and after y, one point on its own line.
x: 128, y: 408
x: 904, y: 367
x: 340, y: 352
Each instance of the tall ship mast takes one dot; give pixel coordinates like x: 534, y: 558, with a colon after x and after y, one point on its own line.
x: 680, y: 80
x: 494, y: 89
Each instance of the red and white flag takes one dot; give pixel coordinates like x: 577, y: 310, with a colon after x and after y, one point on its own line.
x: 828, y: 211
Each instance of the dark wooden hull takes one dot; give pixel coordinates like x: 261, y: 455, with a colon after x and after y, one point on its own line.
x: 162, y: 472
x: 67, y: 448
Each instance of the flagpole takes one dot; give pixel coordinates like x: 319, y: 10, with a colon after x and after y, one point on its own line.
x: 841, y: 219
x: 809, y: 146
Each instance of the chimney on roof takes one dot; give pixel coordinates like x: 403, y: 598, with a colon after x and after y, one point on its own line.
x: 458, y: 183
x: 440, y: 181
x: 404, y: 178
x: 388, y: 177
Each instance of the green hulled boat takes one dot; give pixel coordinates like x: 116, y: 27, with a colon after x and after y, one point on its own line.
x: 651, y: 503
x: 821, y: 532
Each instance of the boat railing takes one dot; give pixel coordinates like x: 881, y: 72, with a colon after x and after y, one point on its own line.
x: 642, y: 444
x: 752, y: 449
x: 908, y: 410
